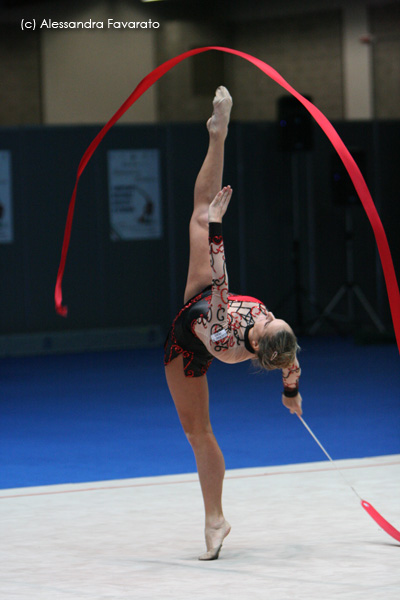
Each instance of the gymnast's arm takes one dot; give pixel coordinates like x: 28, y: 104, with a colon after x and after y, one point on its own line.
x: 291, y: 397
x: 219, y: 291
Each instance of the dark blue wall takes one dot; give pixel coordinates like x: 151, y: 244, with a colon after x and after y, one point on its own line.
x: 108, y: 284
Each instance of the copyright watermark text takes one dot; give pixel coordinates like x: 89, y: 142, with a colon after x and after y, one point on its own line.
x: 27, y: 24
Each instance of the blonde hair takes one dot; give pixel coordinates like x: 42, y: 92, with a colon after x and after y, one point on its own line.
x: 277, y: 351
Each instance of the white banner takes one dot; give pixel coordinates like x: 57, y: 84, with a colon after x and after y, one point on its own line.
x: 6, y: 212
x: 134, y: 194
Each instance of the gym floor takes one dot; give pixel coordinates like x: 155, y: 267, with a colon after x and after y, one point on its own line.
x: 100, y: 498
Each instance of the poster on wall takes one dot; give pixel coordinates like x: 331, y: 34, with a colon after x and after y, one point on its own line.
x: 134, y: 194
x: 6, y: 213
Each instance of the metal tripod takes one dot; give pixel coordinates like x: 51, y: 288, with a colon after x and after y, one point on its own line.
x: 349, y: 289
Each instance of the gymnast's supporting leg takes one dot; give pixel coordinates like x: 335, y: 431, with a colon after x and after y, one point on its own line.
x: 190, y: 395
x: 191, y: 400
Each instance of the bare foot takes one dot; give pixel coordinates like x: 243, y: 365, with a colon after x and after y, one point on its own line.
x: 222, y: 104
x: 214, y: 539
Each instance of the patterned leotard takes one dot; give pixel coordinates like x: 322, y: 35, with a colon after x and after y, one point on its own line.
x: 220, y: 322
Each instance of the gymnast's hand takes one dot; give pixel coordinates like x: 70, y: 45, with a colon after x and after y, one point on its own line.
x: 293, y: 404
x: 219, y: 205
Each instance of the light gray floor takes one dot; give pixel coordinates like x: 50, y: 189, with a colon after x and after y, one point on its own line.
x: 298, y: 532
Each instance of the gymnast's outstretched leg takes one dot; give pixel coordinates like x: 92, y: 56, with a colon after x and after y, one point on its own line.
x: 190, y: 395
x: 208, y: 184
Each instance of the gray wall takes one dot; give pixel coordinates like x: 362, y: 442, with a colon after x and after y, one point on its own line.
x: 385, y: 26
x: 20, y: 90
x: 305, y: 50
x: 82, y: 76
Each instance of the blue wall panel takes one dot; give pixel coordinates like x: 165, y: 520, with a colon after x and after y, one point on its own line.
x: 127, y: 284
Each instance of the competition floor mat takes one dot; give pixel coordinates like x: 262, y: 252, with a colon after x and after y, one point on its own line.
x: 297, y: 532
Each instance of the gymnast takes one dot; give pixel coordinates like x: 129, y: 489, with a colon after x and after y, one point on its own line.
x: 215, y: 323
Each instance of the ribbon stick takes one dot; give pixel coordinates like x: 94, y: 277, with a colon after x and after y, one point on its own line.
x: 344, y: 154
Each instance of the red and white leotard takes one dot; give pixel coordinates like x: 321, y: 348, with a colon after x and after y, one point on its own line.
x: 225, y: 328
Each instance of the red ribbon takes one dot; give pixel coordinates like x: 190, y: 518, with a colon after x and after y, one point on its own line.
x: 348, y: 161
x: 386, y: 526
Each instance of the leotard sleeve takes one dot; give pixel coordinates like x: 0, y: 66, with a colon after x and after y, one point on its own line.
x: 290, y: 378
x: 218, y: 312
